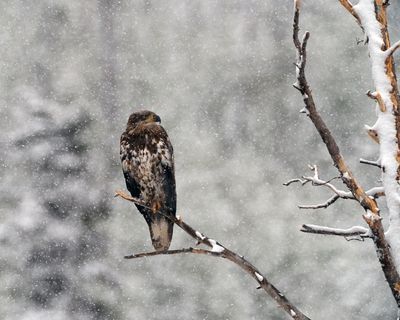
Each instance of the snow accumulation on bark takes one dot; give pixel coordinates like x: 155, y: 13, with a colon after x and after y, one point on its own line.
x: 385, y: 125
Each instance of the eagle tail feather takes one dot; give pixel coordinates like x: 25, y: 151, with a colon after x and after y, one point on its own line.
x: 161, y: 229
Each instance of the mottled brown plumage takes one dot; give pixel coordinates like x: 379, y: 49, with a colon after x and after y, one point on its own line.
x: 148, y: 167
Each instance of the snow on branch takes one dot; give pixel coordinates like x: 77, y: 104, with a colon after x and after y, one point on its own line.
x: 322, y: 205
x: 387, y: 126
x: 374, y: 19
x: 371, y: 163
x: 347, y: 177
x: 218, y: 250
x: 333, y: 149
x: 371, y: 15
x: 214, y: 245
x: 390, y: 51
x: 167, y: 252
x: 377, y: 96
x: 349, y: 7
x: 315, y: 180
x: 349, y: 234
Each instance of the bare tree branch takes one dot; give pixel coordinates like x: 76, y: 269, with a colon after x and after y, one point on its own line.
x: 303, y: 182
x: 316, y: 181
x: 323, y: 205
x: 333, y: 149
x: 389, y: 70
x: 349, y: 7
x: 371, y: 163
x: 167, y: 252
x: 378, y: 98
x: 375, y: 193
x: 369, y: 204
x: 218, y: 250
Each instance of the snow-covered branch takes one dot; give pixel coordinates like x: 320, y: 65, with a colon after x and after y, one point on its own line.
x: 333, y: 149
x: 374, y: 19
x: 389, y: 52
x: 322, y: 205
x: 349, y: 7
x: 218, y: 250
x: 355, y: 231
x: 315, y: 180
x: 377, y: 96
x: 371, y: 15
x: 387, y: 126
x: 371, y: 163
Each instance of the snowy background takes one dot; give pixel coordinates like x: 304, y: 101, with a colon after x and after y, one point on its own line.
x: 219, y: 74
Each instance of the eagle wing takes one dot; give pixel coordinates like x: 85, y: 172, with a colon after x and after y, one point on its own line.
x: 148, y: 167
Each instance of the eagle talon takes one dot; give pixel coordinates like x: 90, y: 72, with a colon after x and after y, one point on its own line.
x: 156, y: 207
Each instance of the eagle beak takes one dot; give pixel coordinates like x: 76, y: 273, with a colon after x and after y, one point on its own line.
x: 157, y: 119
x: 153, y: 118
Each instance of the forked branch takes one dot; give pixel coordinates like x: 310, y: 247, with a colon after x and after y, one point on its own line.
x: 218, y: 250
x: 371, y: 216
x: 333, y: 149
x: 315, y: 180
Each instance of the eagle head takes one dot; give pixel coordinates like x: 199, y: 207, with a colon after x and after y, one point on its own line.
x: 142, y: 117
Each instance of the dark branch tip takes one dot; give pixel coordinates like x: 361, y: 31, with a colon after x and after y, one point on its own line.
x: 304, y: 228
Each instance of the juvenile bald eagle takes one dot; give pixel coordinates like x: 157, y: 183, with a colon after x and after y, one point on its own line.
x: 148, y: 167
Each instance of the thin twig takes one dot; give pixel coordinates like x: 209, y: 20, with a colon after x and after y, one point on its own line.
x: 167, y: 252
x: 323, y: 205
x: 315, y: 180
x: 371, y: 163
x: 303, y: 182
x: 375, y: 193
